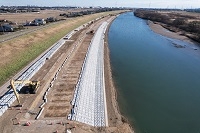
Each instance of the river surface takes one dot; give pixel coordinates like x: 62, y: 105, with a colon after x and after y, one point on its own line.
x: 158, y: 84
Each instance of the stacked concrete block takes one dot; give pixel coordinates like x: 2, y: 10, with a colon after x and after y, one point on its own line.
x: 89, y: 101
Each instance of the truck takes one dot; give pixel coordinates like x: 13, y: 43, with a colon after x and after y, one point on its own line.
x: 6, y: 28
x: 38, y: 22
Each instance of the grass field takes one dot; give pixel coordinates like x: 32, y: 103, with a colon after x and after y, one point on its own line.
x: 17, y: 53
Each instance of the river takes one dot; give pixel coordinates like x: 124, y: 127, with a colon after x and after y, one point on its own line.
x: 158, y: 84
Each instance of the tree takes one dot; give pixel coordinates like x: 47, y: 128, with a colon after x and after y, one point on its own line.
x: 178, y: 21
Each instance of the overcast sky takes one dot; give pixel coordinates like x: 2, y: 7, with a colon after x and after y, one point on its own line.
x: 108, y: 3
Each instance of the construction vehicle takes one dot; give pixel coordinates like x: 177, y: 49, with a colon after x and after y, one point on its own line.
x: 33, y: 85
x: 90, y: 32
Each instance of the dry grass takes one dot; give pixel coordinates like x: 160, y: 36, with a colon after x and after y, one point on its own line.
x: 30, y: 16
x: 23, y: 17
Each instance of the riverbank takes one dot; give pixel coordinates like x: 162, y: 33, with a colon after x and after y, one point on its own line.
x: 61, y: 92
x: 182, y: 22
x: 18, y: 52
x: 117, y: 122
x: 157, y: 28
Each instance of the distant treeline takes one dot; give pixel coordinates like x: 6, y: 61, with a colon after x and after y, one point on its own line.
x: 24, y: 9
x: 188, y: 24
x: 172, y: 9
x: 193, y: 10
x: 81, y: 13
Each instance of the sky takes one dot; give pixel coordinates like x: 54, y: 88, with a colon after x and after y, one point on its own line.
x: 108, y: 3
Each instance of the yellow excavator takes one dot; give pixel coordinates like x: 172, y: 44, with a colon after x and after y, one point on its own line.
x: 33, y: 85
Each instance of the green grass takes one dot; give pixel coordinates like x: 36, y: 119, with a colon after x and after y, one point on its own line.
x: 36, y: 48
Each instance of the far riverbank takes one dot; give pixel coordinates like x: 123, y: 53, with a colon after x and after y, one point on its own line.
x: 157, y: 28
x: 181, y: 22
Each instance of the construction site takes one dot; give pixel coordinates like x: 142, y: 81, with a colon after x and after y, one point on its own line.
x: 68, y: 88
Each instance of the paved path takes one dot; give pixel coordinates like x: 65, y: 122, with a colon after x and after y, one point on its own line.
x: 89, y: 98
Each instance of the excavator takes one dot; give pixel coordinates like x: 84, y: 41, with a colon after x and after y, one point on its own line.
x: 33, y: 85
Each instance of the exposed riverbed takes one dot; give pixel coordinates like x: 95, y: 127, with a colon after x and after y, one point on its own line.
x: 158, y: 83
